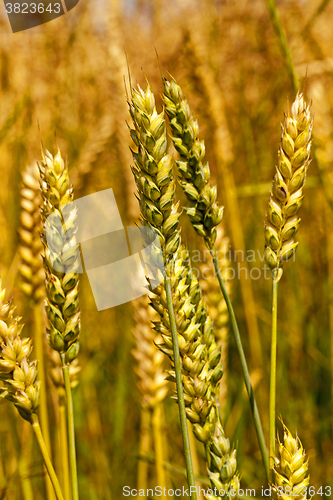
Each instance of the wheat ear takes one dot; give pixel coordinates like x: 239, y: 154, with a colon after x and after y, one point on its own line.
x: 18, y: 377
x: 201, y: 368
x: 32, y: 282
x: 61, y: 262
x: 204, y: 213
x: 156, y: 194
x: 291, y: 477
x: 178, y: 302
x: 282, y: 219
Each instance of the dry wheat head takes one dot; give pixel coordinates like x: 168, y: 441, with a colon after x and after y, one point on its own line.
x: 150, y: 360
x: 31, y: 268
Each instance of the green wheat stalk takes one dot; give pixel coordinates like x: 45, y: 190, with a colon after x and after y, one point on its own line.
x: 282, y: 220
x: 184, y: 325
x: 204, y: 211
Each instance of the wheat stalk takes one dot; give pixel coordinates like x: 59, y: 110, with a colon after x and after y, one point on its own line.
x: 32, y: 281
x: 201, y: 368
x: 282, y: 220
x: 55, y: 372
x: 204, y: 213
x: 291, y: 477
x: 156, y: 194
x: 184, y: 325
x: 283, y: 42
x: 18, y: 377
x: 56, y: 375
x: 61, y: 262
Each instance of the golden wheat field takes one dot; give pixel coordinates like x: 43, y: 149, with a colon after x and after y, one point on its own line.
x: 216, y: 381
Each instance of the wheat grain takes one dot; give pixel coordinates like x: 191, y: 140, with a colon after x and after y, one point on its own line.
x: 282, y: 220
x: 60, y: 261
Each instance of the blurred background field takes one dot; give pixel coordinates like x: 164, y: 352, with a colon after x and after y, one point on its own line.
x: 63, y: 83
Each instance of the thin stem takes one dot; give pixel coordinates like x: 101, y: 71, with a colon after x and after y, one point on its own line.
x: 44, y: 420
x: 283, y: 42
x: 158, y: 446
x: 64, y: 445
x: 195, y: 458
x: 24, y: 476
x: 180, y: 393
x: 22, y: 445
x: 144, y: 449
x: 71, y: 430
x: 272, y: 388
x: 246, y: 375
x: 46, y: 457
x: 174, y: 469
